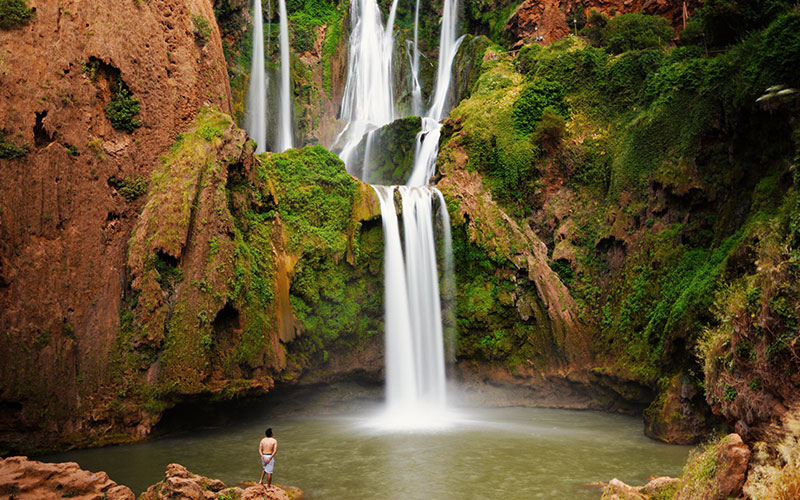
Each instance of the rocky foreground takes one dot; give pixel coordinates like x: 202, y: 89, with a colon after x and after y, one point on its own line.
x: 23, y: 479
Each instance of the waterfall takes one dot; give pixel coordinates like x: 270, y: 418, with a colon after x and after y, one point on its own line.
x: 415, y: 352
x: 256, y: 123
x: 368, y: 101
x: 285, y: 117
x: 427, y: 147
x: 416, y: 90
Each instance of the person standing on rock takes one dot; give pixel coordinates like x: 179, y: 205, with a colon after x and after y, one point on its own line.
x: 267, y: 450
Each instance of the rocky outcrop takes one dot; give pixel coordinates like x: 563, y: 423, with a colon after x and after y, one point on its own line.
x: 659, y: 487
x: 24, y: 479
x: 68, y: 206
x: 679, y: 415
x: 489, y: 227
x: 549, y: 18
x: 182, y: 484
x: 718, y: 473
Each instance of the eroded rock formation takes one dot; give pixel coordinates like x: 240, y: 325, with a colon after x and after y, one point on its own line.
x: 24, y: 479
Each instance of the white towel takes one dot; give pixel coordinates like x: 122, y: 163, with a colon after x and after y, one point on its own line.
x: 267, y: 466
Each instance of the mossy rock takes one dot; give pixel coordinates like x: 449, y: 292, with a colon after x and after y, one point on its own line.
x: 391, y: 152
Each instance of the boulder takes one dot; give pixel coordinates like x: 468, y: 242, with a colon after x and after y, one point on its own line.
x: 617, y: 490
x: 24, y: 479
x: 718, y: 473
x: 181, y: 484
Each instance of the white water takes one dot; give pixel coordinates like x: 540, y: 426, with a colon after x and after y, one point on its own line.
x: 368, y: 101
x: 285, y: 116
x: 256, y: 123
x: 415, y: 354
x: 428, y: 138
x: 416, y: 89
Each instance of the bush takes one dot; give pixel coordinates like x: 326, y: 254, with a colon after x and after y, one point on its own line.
x: 636, y: 32
x: 549, y: 131
x: 14, y: 13
x: 122, y: 109
x: 728, y: 21
x: 9, y: 150
x: 202, y: 29
x: 533, y: 100
x: 595, y: 29
x: 130, y: 188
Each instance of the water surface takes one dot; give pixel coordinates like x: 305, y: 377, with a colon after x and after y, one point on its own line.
x: 335, y: 451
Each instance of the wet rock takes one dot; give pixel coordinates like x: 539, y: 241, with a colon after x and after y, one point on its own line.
x: 679, y: 414
x: 24, y: 479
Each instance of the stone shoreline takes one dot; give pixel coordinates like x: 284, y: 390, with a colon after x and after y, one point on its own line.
x: 23, y: 479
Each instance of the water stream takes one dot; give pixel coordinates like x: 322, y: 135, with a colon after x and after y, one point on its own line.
x: 415, y: 370
x: 285, y: 139
x: 256, y: 123
x: 331, y: 450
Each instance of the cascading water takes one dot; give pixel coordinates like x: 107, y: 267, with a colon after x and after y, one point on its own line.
x: 285, y: 118
x: 368, y: 101
x: 415, y: 368
x: 428, y: 138
x: 257, y: 92
x: 416, y: 89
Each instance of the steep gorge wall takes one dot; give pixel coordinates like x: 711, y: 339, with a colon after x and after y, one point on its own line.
x: 64, y: 222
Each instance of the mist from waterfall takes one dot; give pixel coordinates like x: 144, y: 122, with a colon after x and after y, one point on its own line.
x: 256, y: 122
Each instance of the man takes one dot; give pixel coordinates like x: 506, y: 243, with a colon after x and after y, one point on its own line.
x: 266, y: 451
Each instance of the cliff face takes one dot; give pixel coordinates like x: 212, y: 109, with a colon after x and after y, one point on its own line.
x: 65, y: 215
x: 553, y: 20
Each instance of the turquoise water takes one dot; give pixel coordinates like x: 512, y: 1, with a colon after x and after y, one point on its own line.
x: 336, y: 451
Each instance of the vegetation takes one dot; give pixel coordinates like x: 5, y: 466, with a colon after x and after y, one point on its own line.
x: 9, y: 150
x: 624, y: 120
x: 130, y: 188
x: 202, y: 29
x: 14, y: 13
x: 122, y: 109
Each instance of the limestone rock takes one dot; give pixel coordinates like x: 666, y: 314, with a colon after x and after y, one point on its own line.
x: 617, y: 490
x: 28, y: 479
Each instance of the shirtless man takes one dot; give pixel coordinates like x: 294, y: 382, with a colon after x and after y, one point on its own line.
x: 267, y: 450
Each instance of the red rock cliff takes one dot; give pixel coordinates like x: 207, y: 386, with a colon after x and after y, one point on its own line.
x: 64, y: 224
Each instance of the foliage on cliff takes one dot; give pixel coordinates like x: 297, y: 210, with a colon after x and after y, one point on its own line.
x: 659, y: 190
x: 227, y: 265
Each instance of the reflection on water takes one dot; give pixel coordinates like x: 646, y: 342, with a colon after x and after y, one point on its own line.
x: 334, y: 452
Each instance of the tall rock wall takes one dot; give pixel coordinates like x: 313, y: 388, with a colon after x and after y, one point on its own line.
x: 67, y: 207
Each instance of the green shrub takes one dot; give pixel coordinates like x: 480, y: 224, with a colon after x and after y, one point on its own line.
x: 549, y: 131
x: 9, y: 150
x: 636, y: 32
x: 595, y: 30
x: 305, y: 17
x: 202, y: 28
x: 533, y: 100
x: 724, y: 22
x: 130, y: 188
x: 14, y: 13
x: 122, y: 109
